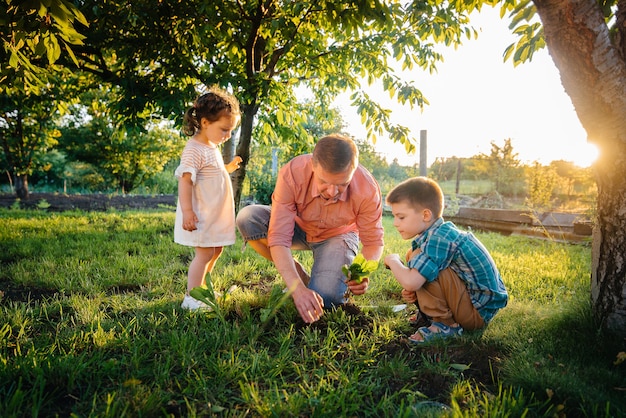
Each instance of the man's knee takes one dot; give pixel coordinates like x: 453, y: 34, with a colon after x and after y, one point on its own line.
x: 244, y: 216
x: 253, y: 221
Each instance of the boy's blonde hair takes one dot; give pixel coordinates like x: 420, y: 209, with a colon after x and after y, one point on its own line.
x: 419, y: 191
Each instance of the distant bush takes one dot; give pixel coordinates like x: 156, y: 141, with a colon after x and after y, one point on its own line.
x: 164, y: 182
x: 261, y: 186
x: 84, y: 176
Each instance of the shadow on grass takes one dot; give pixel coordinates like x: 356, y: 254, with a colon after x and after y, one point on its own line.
x: 159, y: 353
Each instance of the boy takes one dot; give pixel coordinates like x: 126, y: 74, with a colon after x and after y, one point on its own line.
x: 449, y: 272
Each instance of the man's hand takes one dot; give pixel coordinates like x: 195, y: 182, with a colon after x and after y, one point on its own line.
x: 309, y: 303
x: 359, y: 288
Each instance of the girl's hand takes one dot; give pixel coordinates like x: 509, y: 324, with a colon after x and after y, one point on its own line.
x: 234, y: 164
x: 189, y: 220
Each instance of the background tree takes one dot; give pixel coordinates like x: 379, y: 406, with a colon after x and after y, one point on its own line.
x: 34, y: 35
x: 573, y: 178
x: 127, y: 156
x: 502, y: 166
x: 27, y: 129
x: 444, y: 169
x: 267, y: 52
x: 587, y: 42
x: 541, y: 184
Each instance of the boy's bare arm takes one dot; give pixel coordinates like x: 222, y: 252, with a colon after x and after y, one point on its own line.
x: 409, y: 279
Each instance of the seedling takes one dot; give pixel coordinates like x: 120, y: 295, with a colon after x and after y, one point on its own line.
x: 206, y: 294
x: 359, y: 269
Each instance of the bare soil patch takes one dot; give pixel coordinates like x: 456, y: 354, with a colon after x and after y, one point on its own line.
x: 59, y: 202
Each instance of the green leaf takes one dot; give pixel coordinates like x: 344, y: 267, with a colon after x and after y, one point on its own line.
x: 204, y: 294
x: 359, y: 269
x: 370, y: 266
x: 71, y: 54
x: 359, y: 259
x: 459, y: 367
x: 14, y: 60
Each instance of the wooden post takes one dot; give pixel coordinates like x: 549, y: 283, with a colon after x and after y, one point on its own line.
x: 458, y: 176
x: 423, y: 153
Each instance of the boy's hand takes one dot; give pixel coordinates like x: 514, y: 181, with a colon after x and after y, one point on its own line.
x: 409, y: 296
x: 392, y: 259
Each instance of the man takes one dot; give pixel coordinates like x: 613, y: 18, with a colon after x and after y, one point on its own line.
x: 324, y: 202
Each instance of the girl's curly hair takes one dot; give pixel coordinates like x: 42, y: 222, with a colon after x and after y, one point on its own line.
x: 211, y: 106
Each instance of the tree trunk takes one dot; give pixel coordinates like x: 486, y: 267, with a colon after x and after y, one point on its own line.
x: 228, y: 150
x: 243, y: 149
x: 593, y: 73
x: 21, y: 186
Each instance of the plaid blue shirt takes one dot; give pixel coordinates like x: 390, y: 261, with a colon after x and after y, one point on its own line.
x: 443, y: 245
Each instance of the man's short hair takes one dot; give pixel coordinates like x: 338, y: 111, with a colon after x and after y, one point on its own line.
x: 419, y: 192
x: 336, y: 154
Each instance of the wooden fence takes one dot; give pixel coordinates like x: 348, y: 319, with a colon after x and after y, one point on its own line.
x: 553, y: 225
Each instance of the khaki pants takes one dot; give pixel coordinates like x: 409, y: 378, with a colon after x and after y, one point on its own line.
x: 447, y: 300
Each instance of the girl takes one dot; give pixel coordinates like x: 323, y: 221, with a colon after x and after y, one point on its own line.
x: 205, y: 212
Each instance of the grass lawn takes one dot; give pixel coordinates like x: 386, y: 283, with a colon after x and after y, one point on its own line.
x: 91, y: 325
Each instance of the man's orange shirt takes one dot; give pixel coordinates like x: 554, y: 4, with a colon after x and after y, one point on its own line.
x: 296, y: 199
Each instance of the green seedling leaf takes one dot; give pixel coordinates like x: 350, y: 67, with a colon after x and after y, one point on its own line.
x: 217, y: 409
x: 276, y: 300
x: 204, y: 294
x: 459, y: 367
x: 359, y: 269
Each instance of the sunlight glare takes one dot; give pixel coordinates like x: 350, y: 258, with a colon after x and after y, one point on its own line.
x: 587, y: 155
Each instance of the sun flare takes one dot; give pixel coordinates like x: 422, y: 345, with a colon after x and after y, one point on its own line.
x: 587, y: 155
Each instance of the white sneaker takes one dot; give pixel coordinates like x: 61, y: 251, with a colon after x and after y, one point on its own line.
x: 194, y: 304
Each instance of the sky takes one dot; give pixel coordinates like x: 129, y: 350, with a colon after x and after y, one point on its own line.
x: 476, y: 98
